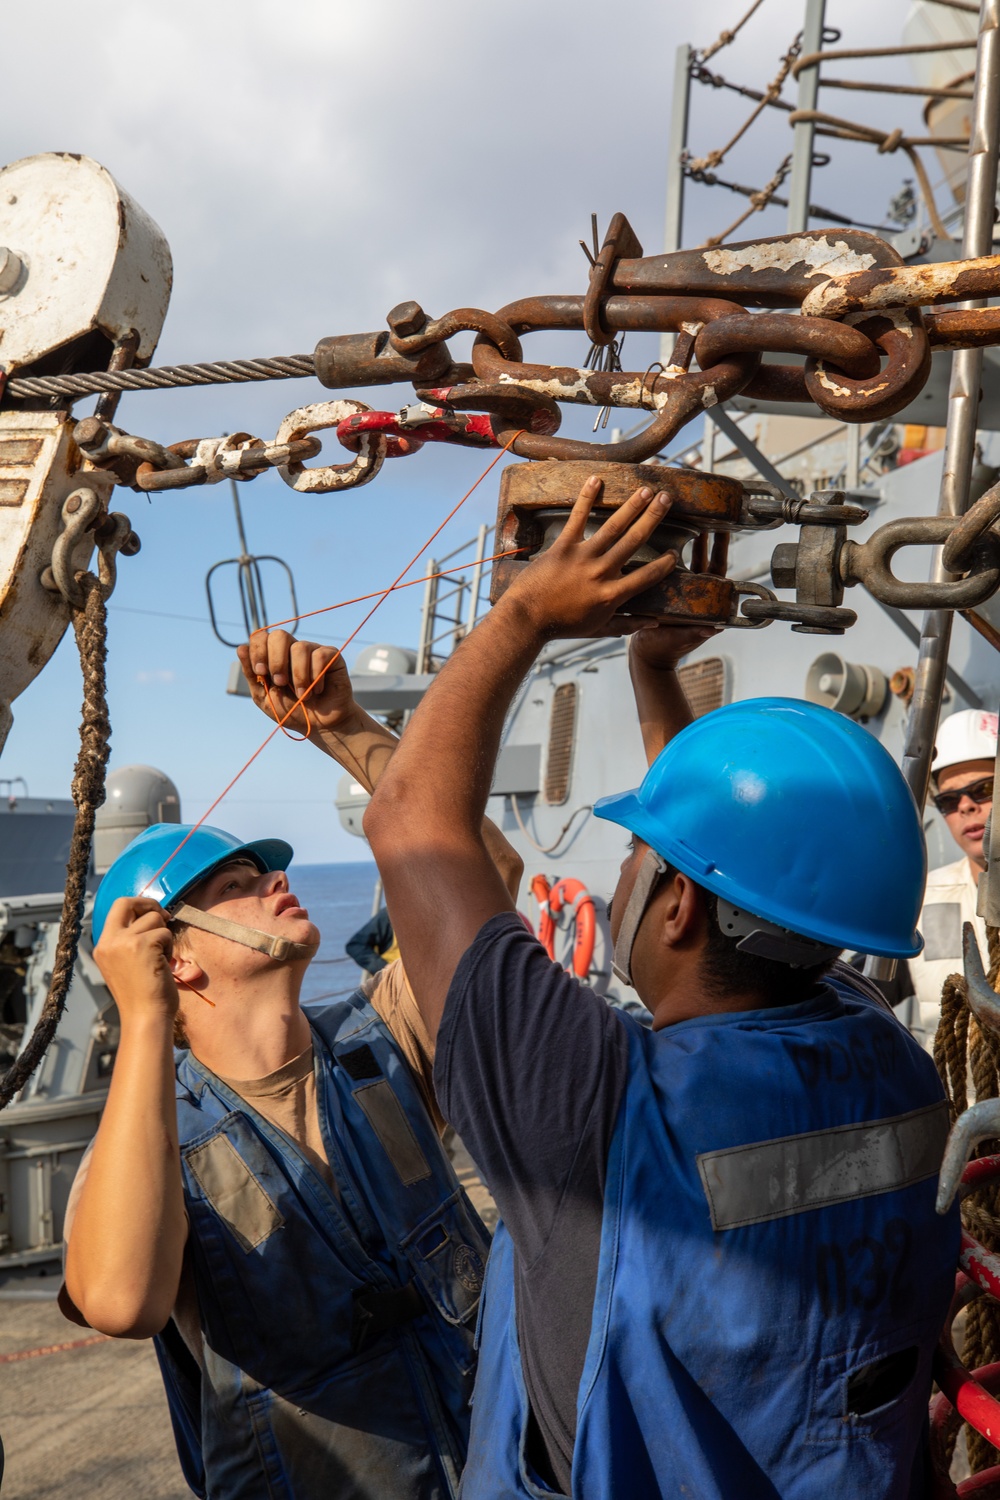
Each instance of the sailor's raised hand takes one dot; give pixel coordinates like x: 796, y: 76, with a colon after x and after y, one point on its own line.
x: 577, y: 585
x: 663, y: 646
x: 134, y: 958
x: 302, y: 684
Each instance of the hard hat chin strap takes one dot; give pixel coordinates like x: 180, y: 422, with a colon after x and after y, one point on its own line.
x: 251, y: 937
x: 650, y: 870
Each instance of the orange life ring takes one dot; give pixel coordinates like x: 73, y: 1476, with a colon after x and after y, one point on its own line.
x: 546, y: 924
x: 574, y: 895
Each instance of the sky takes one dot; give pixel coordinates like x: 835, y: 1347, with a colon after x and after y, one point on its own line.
x: 312, y: 163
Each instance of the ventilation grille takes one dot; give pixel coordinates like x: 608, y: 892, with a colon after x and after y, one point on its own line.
x: 562, y: 728
x: 704, y: 684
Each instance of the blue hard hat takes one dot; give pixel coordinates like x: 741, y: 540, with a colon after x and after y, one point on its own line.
x: 793, y: 813
x: 142, y: 869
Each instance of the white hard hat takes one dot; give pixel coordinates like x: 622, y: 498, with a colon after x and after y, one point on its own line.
x: 968, y: 735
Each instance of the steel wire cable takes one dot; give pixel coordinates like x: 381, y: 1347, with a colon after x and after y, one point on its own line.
x: 164, y: 377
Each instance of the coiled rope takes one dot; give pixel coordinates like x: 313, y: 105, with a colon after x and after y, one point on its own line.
x: 961, y: 1045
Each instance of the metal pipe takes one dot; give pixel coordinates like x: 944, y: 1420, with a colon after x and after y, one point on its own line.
x: 427, y: 618
x: 963, y: 409
x: 708, y: 447
x: 477, y: 577
x: 802, y: 141
x: 680, y: 107
x: 852, y: 466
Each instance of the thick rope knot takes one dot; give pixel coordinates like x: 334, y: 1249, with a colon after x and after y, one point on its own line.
x: 90, y: 628
x: 892, y: 142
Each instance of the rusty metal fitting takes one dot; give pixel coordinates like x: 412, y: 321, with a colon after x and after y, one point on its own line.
x: 405, y: 319
x: 620, y: 240
x: 355, y: 359
x: 964, y: 328
x: 902, y: 683
x: 535, y: 504
x: 780, y: 270
x: 514, y: 407
x: 807, y: 619
x: 675, y: 394
x: 461, y: 320
x: 238, y: 455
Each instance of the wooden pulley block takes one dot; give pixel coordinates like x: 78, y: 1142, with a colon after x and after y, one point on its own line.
x: 536, y: 499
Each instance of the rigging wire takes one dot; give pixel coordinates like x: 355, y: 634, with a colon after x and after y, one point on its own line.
x: 758, y: 201
x: 726, y: 37
x: 714, y: 158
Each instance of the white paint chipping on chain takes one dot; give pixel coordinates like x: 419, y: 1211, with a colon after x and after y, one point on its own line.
x: 824, y: 257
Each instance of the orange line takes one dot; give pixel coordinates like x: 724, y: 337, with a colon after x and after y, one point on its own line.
x: 376, y: 593
x: 96, y: 1338
x: 383, y: 595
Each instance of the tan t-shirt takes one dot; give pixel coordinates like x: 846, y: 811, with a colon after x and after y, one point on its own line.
x: 287, y: 1099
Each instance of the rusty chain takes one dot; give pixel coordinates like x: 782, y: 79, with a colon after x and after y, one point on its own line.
x: 866, y: 324
x: 842, y: 297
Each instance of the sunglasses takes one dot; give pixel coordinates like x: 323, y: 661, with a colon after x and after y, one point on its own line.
x: 979, y: 791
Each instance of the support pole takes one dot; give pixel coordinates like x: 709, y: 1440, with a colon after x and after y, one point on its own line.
x: 708, y: 447
x: 679, y: 110
x: 802, y: 141
x: 852, y: 465
x: 963, y: 409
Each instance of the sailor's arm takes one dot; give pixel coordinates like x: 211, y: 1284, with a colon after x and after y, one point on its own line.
x: 280, y: 670
x: 424, y: 821
x: 654, y: 653
x: 126, y: 1244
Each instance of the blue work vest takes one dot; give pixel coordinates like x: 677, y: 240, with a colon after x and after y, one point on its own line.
x: 338, y: 1334
x: 769, y: 1243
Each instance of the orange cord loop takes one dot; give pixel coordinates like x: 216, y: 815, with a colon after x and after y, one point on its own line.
x: 296, y: 738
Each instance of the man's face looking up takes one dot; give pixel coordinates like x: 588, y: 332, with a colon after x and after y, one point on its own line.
x: 256, y: 898
x: 966, y: 815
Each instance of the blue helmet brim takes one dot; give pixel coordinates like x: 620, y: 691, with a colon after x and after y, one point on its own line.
x: 625, y: 809
x: 267, y: 854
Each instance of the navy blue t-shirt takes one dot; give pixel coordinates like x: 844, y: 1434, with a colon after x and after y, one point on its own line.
x: 530, y: 1069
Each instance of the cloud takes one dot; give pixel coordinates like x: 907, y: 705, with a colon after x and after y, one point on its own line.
x: 156, y: 675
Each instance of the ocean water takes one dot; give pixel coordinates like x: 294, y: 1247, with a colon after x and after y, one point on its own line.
x: 339, y: 900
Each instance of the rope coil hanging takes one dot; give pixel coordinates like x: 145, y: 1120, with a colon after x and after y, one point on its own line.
x: 90, y: 625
